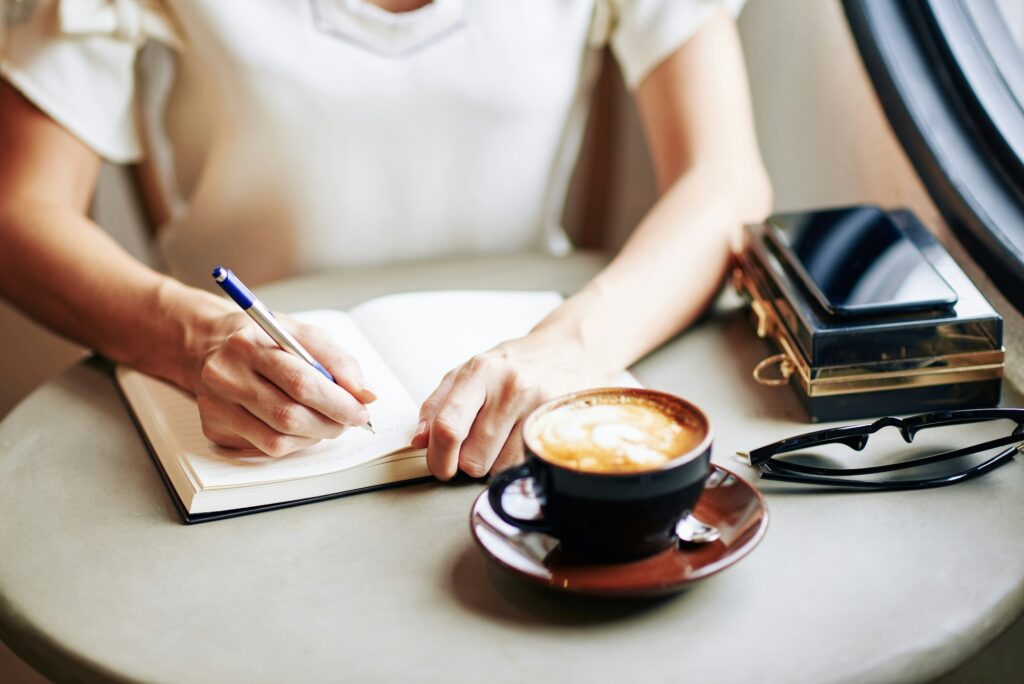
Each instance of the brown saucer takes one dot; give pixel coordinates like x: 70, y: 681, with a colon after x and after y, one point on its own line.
x: 728, y: 502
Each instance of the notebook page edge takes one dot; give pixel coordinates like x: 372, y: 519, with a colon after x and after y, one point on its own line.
x: 135, y: 387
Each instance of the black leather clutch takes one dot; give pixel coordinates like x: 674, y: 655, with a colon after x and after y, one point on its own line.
x: 859, y: 367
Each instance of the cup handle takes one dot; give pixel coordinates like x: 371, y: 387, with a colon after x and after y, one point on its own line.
x: 496, y: 490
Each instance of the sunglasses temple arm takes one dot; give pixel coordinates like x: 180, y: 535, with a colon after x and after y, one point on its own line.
x: 767, y: 473
x: 854, y: 440
x: 777, y: 465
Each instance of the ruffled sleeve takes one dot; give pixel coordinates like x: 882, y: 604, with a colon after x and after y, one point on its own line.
x: 643, y: 33
x: 75, y: 60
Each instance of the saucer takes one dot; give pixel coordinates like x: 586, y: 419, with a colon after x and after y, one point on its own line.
x: 728, y: 502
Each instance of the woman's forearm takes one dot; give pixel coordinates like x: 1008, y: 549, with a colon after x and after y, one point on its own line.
x: 61, y: 269
x: 64, y: 271
x: 664, y: 276
x: 667, y: 273
x: 696, y: 112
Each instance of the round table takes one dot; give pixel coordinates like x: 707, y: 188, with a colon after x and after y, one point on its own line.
x: 99, y: 580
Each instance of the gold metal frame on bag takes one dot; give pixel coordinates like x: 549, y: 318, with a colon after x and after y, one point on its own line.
x: 857, y: 378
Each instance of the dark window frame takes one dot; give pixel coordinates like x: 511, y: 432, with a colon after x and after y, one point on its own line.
x: 951, y: 81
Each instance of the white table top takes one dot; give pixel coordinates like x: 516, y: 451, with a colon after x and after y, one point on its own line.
x: 99, y: 580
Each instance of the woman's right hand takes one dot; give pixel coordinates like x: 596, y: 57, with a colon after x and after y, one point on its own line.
x: 252, y: 393
x: 67, y: 273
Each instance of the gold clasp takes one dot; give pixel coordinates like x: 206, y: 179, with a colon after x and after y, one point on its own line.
x: 786, y: 369
x: 763, y: 318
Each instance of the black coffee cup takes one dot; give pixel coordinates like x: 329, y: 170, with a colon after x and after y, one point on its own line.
x: 611, y: 516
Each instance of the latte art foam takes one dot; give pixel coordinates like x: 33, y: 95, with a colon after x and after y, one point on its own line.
x: 612, y: 435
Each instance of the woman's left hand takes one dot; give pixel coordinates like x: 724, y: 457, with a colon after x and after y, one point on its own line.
x: 472, y: 421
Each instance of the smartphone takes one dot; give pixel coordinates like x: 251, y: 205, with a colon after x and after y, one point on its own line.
x: 857, y: 261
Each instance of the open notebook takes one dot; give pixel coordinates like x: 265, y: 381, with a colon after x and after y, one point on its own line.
x: 404, y: 343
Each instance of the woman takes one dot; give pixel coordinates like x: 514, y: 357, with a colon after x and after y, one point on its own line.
x: 293, y: 136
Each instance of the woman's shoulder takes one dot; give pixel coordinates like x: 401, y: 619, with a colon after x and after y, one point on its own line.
x: 75, y: 60
x: 642, y: 33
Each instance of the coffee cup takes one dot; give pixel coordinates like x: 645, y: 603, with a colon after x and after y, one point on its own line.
x: 614, y: 470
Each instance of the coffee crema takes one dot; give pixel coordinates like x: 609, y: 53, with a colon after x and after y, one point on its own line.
x: 612, y: 434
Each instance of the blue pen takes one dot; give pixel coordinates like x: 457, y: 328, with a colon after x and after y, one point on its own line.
x: 259, y: 312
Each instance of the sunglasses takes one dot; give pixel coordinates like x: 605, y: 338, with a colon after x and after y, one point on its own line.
x: 940, y: 446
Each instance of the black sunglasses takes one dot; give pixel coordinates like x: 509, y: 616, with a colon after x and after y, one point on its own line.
x: 856, y: 437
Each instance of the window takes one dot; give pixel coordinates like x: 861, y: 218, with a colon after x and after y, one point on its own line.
x: 950, y: 76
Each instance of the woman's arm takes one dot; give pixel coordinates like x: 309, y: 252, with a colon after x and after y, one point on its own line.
x: 697, y: 116
x: 696, y: 112
x: 64, y: 271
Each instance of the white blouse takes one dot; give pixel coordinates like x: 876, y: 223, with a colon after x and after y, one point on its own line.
x: 296, y: 135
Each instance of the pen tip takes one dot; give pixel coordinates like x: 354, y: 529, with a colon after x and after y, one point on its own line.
x: 369, y: 426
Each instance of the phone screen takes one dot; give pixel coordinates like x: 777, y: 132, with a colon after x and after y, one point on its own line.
x: 859, y: 261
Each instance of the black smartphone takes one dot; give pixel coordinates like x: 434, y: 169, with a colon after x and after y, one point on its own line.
x: 857, y: 261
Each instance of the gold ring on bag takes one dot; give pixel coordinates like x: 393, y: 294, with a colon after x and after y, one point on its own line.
x: 786, y: 369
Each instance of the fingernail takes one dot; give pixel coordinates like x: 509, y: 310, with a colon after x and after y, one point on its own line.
x: 475, y: 470
x: 421, y: 428
x: 360, y: 388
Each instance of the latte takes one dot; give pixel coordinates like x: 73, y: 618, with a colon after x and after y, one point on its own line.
x: 613, y: 433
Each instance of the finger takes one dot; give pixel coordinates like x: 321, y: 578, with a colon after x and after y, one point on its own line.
x: 306, y: 385
x: 451, y: 424
x: 429, y: 409
x: 512, y: 452
x: 231, y: 425
x: 342, y: 365
x: 488, y: 435
x: 221, y: 437
x: 281, y: 412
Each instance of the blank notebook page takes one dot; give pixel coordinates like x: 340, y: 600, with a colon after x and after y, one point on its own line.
x: 423, y: 335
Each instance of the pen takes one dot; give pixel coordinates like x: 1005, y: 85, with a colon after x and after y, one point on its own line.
x: 259, y: 312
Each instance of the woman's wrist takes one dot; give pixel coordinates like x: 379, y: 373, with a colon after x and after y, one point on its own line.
x: 188, y: 323
x: 573, y: 329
